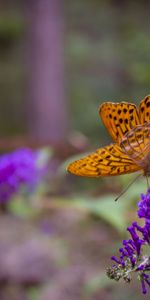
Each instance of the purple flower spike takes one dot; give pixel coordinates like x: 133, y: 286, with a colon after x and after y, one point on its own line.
x: 144, y: 206
x: 132, y: 257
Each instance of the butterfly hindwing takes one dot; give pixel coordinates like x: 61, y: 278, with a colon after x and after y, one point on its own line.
x: 119, y: 118
x: 136, y: 144
x: 107, y: 161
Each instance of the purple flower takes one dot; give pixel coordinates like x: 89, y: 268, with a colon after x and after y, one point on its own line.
x: 19, y: 169
x: 133, y: 257
x: 144, y: 206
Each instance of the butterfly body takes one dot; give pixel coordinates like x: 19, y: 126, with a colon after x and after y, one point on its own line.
x: 129, y: 127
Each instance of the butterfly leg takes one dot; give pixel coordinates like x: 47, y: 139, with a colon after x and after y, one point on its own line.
x: 126, y: 188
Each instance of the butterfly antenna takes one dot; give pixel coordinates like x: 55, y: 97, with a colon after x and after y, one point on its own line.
x: 126, y: 188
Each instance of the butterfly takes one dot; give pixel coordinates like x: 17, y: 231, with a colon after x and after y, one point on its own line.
x: 129, y: 128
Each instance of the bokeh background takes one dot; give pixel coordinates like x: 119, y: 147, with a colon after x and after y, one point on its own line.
x: 59, y: 60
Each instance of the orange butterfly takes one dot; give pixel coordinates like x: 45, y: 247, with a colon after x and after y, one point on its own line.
x: 129, y: 127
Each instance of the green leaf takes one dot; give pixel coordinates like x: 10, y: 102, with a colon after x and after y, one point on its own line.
x: 96, y: 283
x: 110, y: 211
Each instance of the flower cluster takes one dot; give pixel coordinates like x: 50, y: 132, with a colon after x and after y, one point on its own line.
x: 19, y: 169
x: 133, y: 254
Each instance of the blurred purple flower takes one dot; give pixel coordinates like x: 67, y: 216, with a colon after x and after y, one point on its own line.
x: 133, y: 257
x: 19, y: 169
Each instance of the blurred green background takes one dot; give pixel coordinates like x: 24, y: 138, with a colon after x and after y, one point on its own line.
x: 59, y: 60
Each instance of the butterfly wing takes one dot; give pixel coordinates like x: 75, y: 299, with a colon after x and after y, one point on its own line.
x: 144, y: 110
x: 108, y: 161
x: 136, y: 144
x: 119, y: 118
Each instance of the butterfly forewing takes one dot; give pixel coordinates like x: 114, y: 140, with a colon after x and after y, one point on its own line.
x: 119, y: 118
x: 108, y: 161
x: 144, y: 110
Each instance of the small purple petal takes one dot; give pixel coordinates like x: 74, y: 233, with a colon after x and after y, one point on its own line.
x: 144, y: 290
